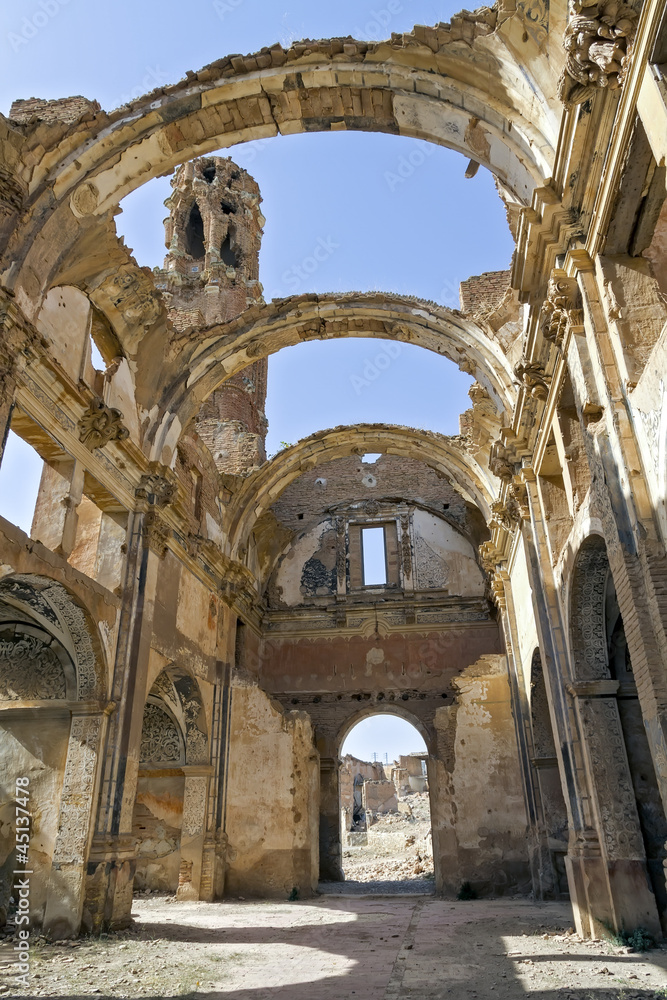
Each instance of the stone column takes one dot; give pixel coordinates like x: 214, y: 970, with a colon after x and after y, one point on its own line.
x: 541, y: 866
x: 617, y: 302
x: 65, y: 901
x: 586, y: 870
x: 112, y: 858
x: 195, y: 797
x: 330, y: 846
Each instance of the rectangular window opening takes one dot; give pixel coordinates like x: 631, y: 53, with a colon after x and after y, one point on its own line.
x: 20, y: 476
x: 374, y: 554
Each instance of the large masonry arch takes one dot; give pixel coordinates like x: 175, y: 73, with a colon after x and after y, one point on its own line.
x: 262, y: 488
x: 412, y: 86
x: 225, y: 350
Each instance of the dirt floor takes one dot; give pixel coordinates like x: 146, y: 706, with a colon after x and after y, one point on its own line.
x: 329, y: 948
x: 398, y: 847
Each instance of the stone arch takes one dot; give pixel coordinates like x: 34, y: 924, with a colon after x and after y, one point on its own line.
x: 177, y: 692
x: 473, y: 97
x: 45, y: 604
x: 369, y: 711
x: 437, y: 451
x: 52, y: 724
x: 263, y: 330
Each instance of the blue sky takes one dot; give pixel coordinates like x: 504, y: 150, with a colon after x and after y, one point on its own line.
x: 397, y: 214
x: 382, y: 734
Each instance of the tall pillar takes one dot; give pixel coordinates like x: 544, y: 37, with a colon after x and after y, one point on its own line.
x: 112, y: 859
x: 605, y: 862
x: 65, y: 900
x: 193, y: 830
x: 330, y: 846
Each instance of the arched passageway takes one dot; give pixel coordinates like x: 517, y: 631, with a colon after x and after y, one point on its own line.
x: 53, y: 715
x: 385, y: 809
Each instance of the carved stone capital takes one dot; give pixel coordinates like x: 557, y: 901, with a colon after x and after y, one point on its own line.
x: 99, y: 424
x: 533, y: 378
x: 157, y: 486
x: 505, y: 515
x: 597, y: 42
x: 237, y: 585
x: 518, y: 498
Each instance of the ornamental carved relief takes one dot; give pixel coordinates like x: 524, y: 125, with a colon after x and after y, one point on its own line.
x: 597, y: 41
x: 54, y: 606
x: 161, y: 740
x: 533, y: 378
x: 100, y: 424
x: 613, y: 785
x: 406, y: 547
x: 500, y: 463
x: 30, y: 670
x: 77, y: 794
x: 561, y: 307
x: 341, y: 557
x: 194, y: 806
x: 157, y: 486
x: 589, y: 640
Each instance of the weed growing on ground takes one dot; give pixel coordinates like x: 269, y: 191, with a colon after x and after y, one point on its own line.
x: 466, y: 892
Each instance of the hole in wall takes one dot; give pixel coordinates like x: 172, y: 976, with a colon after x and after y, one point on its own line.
x: 194, y: 234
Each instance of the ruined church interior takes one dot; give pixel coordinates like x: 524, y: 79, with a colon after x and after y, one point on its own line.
x: 192, y: 627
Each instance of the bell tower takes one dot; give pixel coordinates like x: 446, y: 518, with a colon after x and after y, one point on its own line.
x: 213, y: 235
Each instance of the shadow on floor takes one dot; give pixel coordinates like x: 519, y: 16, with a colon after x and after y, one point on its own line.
x: 388, y: 948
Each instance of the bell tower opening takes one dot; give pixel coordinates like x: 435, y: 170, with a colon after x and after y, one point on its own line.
x: 194, y: 234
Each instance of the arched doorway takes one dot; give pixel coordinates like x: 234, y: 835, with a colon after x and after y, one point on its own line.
x: 169, y: 820
x: 385, y: 807
x: 52, y: 721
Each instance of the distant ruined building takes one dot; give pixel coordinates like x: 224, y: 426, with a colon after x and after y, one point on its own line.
x: 191, y: 630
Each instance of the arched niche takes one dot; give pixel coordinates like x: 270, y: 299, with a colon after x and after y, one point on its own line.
x: 169, y: 819
x: 52, y: 723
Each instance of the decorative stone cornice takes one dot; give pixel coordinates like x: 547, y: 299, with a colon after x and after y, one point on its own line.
x: 157, y: 486
x: 597, y: 42
x: 99, y: 424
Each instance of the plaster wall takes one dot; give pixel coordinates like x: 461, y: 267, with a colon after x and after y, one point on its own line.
x: 33, y: 748
x: 272, y: 804
x: 478, y: 814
